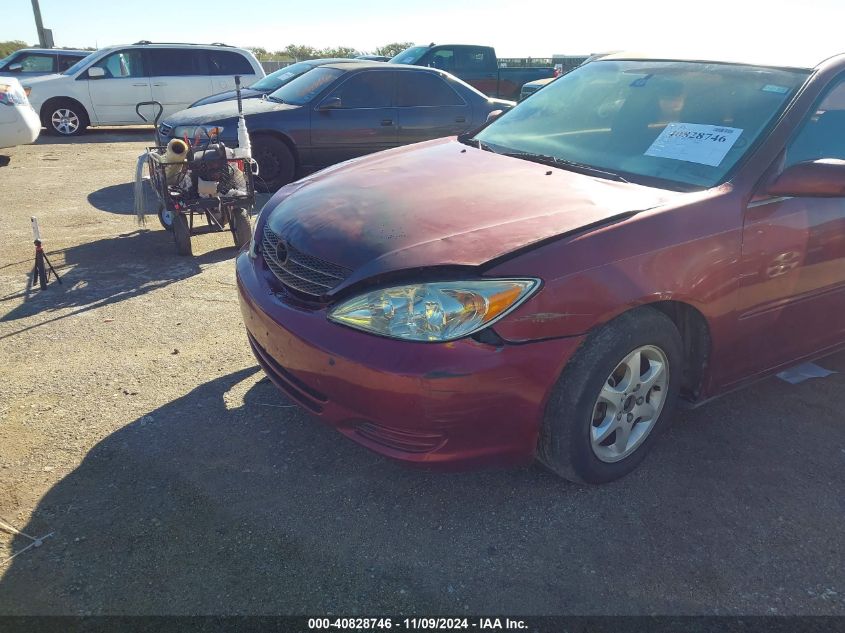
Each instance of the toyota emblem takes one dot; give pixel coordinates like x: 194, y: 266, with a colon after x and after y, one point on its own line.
x: 281, y: 253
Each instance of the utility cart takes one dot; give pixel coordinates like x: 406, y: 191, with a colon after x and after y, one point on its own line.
x: 200, y: 178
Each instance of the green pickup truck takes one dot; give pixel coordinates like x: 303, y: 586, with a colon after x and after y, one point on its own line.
x: 476, y: 65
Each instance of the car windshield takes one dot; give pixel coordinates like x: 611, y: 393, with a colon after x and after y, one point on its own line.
x: 78, y: 66
x: 301, y: 90
x: 409, y: 55
x: 686, y: 123
x: 276, y: 80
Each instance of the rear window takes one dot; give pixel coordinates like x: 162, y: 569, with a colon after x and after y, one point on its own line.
x: 470, y: 59
x: 66, y: 61
x: 228, y: 63
x: 79, y: 65
x: 174, y: 62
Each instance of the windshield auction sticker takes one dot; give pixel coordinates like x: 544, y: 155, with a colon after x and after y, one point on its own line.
x: 694, y: 143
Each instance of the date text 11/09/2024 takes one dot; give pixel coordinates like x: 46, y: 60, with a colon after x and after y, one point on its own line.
x: 431, y: 624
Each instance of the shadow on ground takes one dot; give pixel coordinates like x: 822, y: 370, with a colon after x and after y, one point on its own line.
x: 212, y: 504
x: 101, y: 135
x: 89, y: 280
x: 120, y: 199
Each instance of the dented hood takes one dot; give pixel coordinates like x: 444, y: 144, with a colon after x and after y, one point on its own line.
x: 442, y: 203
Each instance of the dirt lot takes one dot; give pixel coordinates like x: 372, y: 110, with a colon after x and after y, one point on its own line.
x: 135, y: 428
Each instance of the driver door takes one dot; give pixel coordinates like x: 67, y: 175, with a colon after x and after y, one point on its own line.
x: 355, y: 118
x: 792, y: 298
x: 125, y: 83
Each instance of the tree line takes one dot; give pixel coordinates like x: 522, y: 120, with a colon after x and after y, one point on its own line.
x: 300, y: 52
x: 10, y: 46
x: 291, y: 52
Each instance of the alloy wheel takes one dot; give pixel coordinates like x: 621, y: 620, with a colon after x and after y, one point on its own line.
x: 629, y: 404
x: 65, y: 121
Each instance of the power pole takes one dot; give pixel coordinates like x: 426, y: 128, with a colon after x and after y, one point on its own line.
x: 38, y: 24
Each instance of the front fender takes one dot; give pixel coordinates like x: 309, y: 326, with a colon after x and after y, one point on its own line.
x: 589, y: 279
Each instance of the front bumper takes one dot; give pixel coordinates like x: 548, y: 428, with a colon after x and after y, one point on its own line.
x: 462, y: 403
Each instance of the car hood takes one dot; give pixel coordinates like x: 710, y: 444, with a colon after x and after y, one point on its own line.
x: 442, y: 203
x: 246, y: 93
x: 40, y: 79
x: 216, y: 112
x: 27, y: 77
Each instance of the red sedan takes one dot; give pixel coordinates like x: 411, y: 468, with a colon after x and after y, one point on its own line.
x: 638, y: 232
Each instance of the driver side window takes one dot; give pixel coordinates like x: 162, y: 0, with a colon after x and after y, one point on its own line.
x: 127, y: 63
x: 442, y: 59
x: 823, y: 134
x: 367, y: 89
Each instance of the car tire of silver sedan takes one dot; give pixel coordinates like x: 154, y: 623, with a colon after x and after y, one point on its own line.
x: 64, y: 117
x: 613, y: 399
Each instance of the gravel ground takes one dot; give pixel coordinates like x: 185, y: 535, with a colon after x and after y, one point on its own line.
x: 136, y: 428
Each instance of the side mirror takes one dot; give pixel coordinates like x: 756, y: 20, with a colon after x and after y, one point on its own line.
x: 95, y: 72
x: 495, y: 114
x: 330, y: 103
x: 823, y: 178
x: 15, y: 68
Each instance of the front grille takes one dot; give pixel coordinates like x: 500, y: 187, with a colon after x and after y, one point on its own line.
x: 299, y: 271
x: 164, y: 129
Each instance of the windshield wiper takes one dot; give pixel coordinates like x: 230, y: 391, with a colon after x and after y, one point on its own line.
x: 474, y: 142
x: 562, y: 163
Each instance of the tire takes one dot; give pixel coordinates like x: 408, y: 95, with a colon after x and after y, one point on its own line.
x: 64, y: 117
x: 576, y: 418
x: 182, y: 234
x: 276, y: 164
x: 241, y: 228
x: 165, y: 217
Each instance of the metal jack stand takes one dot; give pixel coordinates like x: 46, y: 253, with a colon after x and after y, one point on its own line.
x: 40, y: 272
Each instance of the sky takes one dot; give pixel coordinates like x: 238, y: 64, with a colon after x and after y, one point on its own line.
x: 539, y: 28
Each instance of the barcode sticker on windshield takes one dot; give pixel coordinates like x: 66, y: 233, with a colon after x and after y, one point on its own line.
x: 694, y: 143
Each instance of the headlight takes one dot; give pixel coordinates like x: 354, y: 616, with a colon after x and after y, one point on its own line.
x: 442, y: 311
x: 192, y: 131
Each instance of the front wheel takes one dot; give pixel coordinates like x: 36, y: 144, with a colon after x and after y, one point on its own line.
x: 165, y: 216
x: 276, y: 164
x: 613, y: 398
x: 64, y: 117
x: 241, y: 228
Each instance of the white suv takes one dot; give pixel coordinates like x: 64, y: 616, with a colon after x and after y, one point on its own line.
x: 103, y: 88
